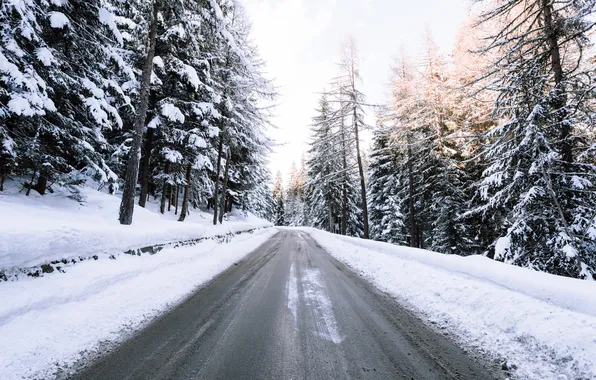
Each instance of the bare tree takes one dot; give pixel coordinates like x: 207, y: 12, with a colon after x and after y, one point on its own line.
x: 354, y: 102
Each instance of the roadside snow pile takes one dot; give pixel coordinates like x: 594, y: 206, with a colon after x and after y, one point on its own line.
x: 46, y: 323
x: 39, y: 229
x: 544, y: 326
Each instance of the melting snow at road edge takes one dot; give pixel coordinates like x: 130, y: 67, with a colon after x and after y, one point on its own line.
x: 315, y: 296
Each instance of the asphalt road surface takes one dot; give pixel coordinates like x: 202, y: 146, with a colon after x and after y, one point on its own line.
x: 288, y: 311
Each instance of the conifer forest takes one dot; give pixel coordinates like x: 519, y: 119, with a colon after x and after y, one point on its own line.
x: 487, y: 150
x: 297, y: 189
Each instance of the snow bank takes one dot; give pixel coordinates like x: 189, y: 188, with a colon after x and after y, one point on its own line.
x: 36, y: 230
x: 544, y: 326
x: 47, y: 323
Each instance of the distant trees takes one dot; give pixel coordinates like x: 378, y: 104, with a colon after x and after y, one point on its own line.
x: 279, y: 213
x: 296, y: 212
x: 331, y: 198
x: 149, y: 97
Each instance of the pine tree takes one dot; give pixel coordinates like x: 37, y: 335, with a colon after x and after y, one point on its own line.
x: 540, y: 173
x: 322, y: 190
x: 278, y: 199
x: 72, y: 101
x: 386, y: 216
x: 62, y: 90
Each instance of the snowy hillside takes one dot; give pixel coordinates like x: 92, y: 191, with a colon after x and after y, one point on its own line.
x: 542, y: 326
x: 56, y: 227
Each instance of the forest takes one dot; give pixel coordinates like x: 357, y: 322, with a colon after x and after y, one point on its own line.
x: 488, y: 150
x: 162, y: 99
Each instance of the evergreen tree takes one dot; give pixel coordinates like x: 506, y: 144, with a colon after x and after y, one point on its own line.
x: 295, y: 207
x: 278, y: 199
x: 540, y: 171
x: 60, y: 89
x: 74, y: 77
x: 386, y: 216
x: 323, y: 193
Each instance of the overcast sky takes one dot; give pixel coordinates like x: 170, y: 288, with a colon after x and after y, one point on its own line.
x: 300, y: 41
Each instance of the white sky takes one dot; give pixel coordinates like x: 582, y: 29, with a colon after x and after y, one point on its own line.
x: 300, y: 41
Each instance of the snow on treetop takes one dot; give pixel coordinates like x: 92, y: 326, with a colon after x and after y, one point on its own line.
x: 8, y: 145
x: 155, y: 122
x: 94, y: 105
x: 158, y: 61
x: 191, y: 75
x: 172, y: 156
x: 29, y: 105
x: 96, y: 91
x: 45, y: 56
x: 206, y: 109
x: 58, y: 20
x: 108, y: 18
x: 197, y: 141
x: 172, y: 112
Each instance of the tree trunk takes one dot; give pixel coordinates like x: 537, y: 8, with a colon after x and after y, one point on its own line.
x: 184, y: 210
x: 2, y: 178
x: 164, y: 191
x: 330, y: 212
x: 218, y: 172
x: 224, y: 188
x: 344, y: 202
x: 177, y: 194
x: 559, y: 103
x: 132, y: 167
x: 170, y: 193
x: 560, y: 98
x: 413, y: 234
x: 42, y: 183
x: 31, y: 183
x: 145, y: 167
x: 362, y: 183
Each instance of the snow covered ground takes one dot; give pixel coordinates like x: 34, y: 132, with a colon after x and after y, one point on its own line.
x: 47, y: 323
x: 544, y: 326
x: 39, y: 229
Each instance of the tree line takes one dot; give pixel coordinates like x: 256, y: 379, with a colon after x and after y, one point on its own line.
x: 156, y: 98
x: 488, y: 150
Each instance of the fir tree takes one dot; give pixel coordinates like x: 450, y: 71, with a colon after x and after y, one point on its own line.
x: 278, y: 199
x: 540, y: 175
x: 386, y: 216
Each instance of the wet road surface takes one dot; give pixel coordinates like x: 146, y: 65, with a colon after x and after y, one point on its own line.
x: 287, y: 311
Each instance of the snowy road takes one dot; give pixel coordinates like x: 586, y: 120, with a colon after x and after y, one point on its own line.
x: 288, y: 311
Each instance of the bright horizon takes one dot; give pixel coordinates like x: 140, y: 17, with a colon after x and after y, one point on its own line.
x: 300, y: 42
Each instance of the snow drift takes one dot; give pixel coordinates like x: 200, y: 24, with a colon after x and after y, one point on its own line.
x: 39, y: 229
x: 49, y: 324
x: 543, y: 326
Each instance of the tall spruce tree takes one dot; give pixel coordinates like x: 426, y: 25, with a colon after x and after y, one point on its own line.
x: 386, y: 218
x: 73, y: 79
x: 279, y: 218
x: 322, y: 190
x: 540, y: 174
x: 61, y: 89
